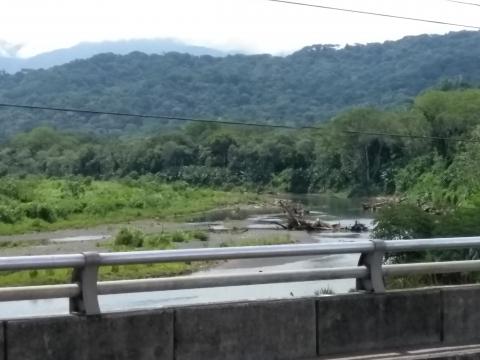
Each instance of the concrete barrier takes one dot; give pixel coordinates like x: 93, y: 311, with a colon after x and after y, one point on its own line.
x: 371, y: 322
x: 461, y: 314
x: 134, y: 336
x: 266, y: 330
x: 3, y: 346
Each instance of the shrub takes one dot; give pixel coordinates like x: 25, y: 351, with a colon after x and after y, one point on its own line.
x: 41, y: 211
x: 9, y: 215
x: 200, y: 235
x: 129, y: 237
x: 179, y: 236
x: 159, y: 241
x: 138, y: 204
x: 73, y: 188
x: 403, y: 221
x: 37, y: 224
x: 100, y: 208
x: 46, y: 213
x: 65, y: 208
x: 463, y: 221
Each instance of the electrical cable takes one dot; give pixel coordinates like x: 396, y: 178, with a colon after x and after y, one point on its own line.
x: 463, y: 2
x: 375, y: 14
x: 235, y: 123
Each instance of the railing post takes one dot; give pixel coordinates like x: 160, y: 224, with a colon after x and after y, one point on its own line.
x: 373, y: 261
x: 86, y: 277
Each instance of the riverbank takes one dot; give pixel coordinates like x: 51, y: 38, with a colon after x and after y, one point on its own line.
x: 129, y: 239
x: 39, y: 204
x: 244, y: 226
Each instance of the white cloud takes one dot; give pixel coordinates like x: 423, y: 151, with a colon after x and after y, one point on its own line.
x: 252, y: 25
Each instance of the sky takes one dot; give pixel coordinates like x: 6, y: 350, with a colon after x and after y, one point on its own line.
x: 254, y: 26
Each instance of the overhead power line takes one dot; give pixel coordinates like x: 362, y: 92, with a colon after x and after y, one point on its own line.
x: 148, y: 116
x: 438, y: 22
x: 235, y: 123
x: 420, y: 137
x: 464, y: 2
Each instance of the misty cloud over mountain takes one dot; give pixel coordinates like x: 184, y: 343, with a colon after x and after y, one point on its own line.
x: 11, y: 63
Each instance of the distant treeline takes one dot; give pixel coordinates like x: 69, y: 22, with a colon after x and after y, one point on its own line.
x: 437, y: 171
x: 309, y: 86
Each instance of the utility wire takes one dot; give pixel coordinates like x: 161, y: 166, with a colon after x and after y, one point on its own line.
x: 376, y: 14
x: 421, y: 137
x: 463, y: 2
x: 148, y: 116
x: 235, y: 123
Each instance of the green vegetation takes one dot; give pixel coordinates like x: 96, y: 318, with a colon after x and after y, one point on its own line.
x: 272, y: 240
x: 310, y: 85
x: 429, y: 170
x: 409, y: 221
x: 403, y: 221
x: 34, y: 203
x: 130, y: 239
x: 62, y: 276
x: 127, y: 239
x: 51, y: 177
x: 439, y: 172
x: 9, y: 244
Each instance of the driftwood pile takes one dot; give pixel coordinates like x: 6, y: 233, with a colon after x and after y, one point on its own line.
x: 296, y: 220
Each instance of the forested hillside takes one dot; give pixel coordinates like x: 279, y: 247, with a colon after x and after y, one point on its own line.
x: 310, y: 85
x: 439, y: 172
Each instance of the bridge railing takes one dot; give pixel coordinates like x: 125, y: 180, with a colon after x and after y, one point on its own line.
x: 370, y: 273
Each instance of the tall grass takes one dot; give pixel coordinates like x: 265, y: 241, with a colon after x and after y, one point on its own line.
x: 36, y: 204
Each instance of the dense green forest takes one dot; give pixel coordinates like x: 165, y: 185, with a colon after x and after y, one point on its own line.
x: 308, y: 86
x: 439, y: 172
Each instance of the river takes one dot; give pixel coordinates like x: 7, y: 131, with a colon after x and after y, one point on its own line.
x: 327, y: 208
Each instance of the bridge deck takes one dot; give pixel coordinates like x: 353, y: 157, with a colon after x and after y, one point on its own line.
x: 466, y: 352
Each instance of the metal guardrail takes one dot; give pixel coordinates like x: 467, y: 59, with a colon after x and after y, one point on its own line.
x: 85, y: 288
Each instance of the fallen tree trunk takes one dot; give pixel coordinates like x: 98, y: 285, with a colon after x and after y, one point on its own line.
x: 296, y: 221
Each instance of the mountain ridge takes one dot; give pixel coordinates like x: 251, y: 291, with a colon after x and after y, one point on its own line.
x: 85, y: 50
x: 308, y: 86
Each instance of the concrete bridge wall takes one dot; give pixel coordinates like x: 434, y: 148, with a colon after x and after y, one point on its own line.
x: 285, y: 329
